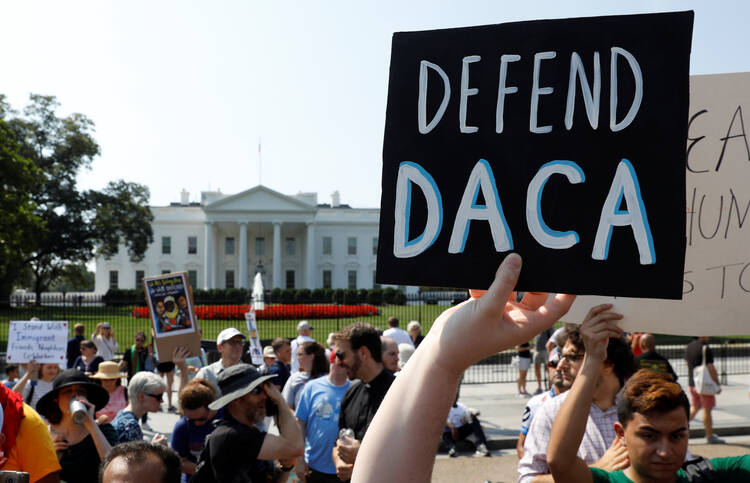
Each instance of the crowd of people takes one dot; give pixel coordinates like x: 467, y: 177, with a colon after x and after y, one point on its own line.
x: 336, y: 413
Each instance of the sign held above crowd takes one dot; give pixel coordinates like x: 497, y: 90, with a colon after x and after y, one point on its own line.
x: 562, y: 140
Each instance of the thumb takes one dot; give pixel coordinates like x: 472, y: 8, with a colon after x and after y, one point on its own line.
x: 505, y: 280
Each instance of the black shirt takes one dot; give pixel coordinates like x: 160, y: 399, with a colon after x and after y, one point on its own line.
x: 231, y: 455
x: 74, y: 350
x: 655, y: 362
x: 362, y: 401
x: 140, y: 361
x: 282, y: 372
x: 80, y: 462
x: 694, y: 358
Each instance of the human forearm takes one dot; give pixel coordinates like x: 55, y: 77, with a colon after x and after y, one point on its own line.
x: 100, y: 441
x: 569, y: 424
x: 289, y: 429
x: 21, y: 384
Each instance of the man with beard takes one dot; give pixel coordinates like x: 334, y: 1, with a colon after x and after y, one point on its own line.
x: 559, y: 386
x: 237, y: 451
x: 359, y: 350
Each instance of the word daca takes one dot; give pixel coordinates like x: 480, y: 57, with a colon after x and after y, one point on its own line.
x: 624, y: 185
x: 591, y: 94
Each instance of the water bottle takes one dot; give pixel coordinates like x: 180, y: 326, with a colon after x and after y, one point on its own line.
x: 78, y: 411
x: 346, y: 436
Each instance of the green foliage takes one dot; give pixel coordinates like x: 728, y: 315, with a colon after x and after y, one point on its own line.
x: 56, y: 225
x: 303, y: 296
x: 375, y: 297
x: 74, y: 278
x: 351, y: 297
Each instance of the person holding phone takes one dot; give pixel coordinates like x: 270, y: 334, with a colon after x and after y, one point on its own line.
x: 237, y: 450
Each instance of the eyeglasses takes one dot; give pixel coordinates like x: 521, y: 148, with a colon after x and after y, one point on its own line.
x: 155, y: 396
x: 340, y: 355
x: 572, y: 357
x: 234, y: 342
x: 257, y: 391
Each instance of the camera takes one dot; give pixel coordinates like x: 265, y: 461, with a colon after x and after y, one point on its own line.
x: 14, y: 477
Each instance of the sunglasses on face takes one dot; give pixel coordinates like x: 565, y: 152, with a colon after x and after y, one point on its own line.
x: 572, y: 357
x: 340, y: 355
x: 155, y: 396
x: 257, y: 391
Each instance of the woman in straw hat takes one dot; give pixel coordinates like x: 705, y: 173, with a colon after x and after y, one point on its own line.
x: 80, y: 446
x: 110, y: 378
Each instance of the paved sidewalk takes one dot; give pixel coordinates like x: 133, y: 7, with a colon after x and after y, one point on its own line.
x: 501, y: 410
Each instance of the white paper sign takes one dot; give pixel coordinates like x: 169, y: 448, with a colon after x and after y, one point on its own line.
x: 716, y: 288
x: 45, y: 342
x: 256, y: 352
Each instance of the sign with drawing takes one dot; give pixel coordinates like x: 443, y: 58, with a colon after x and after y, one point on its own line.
x: 562, y: 140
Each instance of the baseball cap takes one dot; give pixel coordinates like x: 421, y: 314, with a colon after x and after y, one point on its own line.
x: 105, y: 325
x: 235, y: 382
x: 227, y: 334
x: 304, y: 325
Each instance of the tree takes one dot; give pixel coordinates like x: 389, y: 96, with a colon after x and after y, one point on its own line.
x: 75, y: 278
x: 76, y: 224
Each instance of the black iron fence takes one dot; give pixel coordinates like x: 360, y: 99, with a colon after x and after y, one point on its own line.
x: 279, y: 318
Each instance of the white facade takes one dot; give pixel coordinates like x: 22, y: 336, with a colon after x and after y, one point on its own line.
x: 225, y: 239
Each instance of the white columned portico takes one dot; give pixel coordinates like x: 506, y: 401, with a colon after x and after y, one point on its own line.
x: 276, y: 254
x: 310, y: 256
x: 243, y: 255
x: 208, y: 279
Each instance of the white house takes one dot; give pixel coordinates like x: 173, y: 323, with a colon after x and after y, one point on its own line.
x: 221, y: 242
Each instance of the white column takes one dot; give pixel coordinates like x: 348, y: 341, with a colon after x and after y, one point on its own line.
x: 209, y: 256
x: 276, y: 254
x: 243, y: 255
x: 310, y: 255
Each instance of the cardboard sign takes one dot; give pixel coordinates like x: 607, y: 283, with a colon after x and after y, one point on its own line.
x: 170, y: 302
x: 716, y: 286
x: 45, y: 342
x: 562, y: 140
x: 256, y: 351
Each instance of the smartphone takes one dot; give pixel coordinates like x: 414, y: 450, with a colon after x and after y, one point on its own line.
x: 271, y: 408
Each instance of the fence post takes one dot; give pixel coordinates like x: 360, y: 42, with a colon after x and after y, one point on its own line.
x: 724, y: 355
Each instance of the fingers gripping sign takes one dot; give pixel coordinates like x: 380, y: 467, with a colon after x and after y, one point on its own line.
x: 495, y: 321
x: 599, y: 325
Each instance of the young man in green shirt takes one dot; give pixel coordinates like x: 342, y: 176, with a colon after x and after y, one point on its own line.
x: 653, y: 423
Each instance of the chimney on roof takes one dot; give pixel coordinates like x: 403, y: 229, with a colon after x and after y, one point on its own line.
x: 184, y: 197
x: 335, y: 199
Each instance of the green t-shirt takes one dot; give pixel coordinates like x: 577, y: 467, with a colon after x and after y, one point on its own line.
x: 727, y: 470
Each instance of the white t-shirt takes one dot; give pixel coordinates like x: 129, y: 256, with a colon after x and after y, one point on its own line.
x: 105, y: 347
x: 531, y: 407
x: 295, y: 345
x: 400, y: 336
x: 42, y: 388
x: 459, y: 415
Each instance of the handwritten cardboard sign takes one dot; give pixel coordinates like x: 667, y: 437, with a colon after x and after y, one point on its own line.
x: 170, y: 302
x: 45, y: 342
x: 256, y: 351
x: 562, y: 140
x: 716, y: 285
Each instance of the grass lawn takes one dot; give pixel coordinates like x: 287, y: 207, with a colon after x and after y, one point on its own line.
x: 125, y: 325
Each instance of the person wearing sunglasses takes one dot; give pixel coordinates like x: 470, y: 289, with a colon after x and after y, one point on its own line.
x: 600, y: 446
x: 190, y: 432
x: 145, y: 392
x: 237, y: 450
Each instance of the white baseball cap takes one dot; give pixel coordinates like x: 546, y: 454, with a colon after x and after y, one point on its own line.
x: 227, y: 334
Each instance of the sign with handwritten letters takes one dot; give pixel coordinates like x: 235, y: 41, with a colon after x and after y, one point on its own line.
x: 562, y: 140
x: 716, y: 284
x: 45, y: 342
x: 256, y: 351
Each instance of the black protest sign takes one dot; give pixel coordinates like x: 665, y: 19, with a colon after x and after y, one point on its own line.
x: 561, y: 140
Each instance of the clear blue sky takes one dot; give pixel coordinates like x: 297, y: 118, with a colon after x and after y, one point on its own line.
x: 181, y: 91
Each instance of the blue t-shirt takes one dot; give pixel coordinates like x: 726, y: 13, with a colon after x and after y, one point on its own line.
x: 188, y: 439
x: 127, y: 427
x: 319, y: 407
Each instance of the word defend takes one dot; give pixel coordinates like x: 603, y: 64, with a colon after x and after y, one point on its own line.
x: 45, y: 342
x: 562, y: 140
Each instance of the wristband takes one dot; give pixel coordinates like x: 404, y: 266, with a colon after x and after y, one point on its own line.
x: 286, y: 469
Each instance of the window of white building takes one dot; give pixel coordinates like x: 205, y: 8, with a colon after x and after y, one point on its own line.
x: 229, y: 245
x: 291, y: 247
x: 193, y: 278
x: 139, y: 274
x: 351, y: 245
x: 192, y: 245
x: 352, y: 279
x: 229, y: 279
x: 290, y: 279
x: 260, y: 246
x: 327, y: 279
x: 113, y: 279
x: 327, y: 245
x: 166, y: 245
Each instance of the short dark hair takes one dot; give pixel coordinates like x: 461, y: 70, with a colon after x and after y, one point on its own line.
x: 320, y: 365
x: 79, y: 328
x: 10, y: 367
x: 88, y: 344
x: 573, y: 335
x: 649, y: 391
x: 620, y: 356
x: 393, y: 321
x: 278, y: 343
x: 135, y: 452
x: 359, y: 335
x: 196, y: 394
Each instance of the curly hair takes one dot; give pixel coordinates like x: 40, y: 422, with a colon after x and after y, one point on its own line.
x: 649, y: 391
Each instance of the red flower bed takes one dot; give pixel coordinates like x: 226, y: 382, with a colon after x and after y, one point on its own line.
x: 294, y: 311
